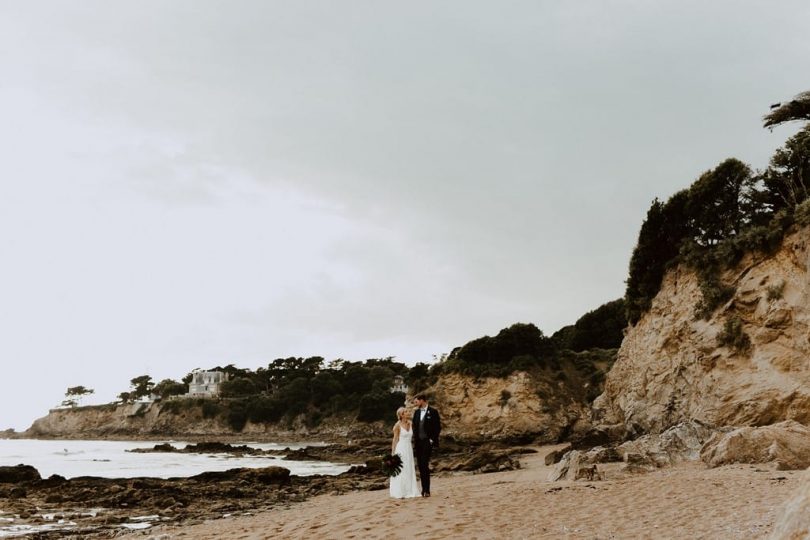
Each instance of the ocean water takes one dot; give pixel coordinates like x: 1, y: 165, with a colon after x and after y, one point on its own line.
x: 110, y: 459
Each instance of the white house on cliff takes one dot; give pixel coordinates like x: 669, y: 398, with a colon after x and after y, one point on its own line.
x: 206, y: 383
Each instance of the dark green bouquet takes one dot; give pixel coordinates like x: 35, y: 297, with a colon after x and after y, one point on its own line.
x: 391, y: 464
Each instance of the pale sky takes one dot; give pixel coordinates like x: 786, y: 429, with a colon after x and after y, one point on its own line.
x: 192, y: 183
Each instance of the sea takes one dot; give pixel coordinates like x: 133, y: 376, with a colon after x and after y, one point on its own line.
x: 110, y: 459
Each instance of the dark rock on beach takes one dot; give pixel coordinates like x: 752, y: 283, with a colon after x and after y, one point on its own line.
x: 18, y: 473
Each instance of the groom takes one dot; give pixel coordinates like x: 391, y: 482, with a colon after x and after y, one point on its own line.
x: 426, y: 429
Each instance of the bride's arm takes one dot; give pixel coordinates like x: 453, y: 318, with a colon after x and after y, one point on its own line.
x: 396, y: 439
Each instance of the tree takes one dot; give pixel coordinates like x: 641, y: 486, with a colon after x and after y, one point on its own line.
x: 601, y: 328
x: 125, y: 397
x: 169, y: 387
x: 74, y: 394
x: 717, y: 201
x: 659, y: 241
x: 787, y: 180
x: 239, y: 387
x: 520, y: 339
x: 141, y: 386
x: 795, y: 110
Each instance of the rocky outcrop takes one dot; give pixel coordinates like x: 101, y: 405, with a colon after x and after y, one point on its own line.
x: 682, y: 442
x: 575, y: 465
x: 104, y: 507
x: 18, y: 473
x: 671, y: 368
x: 787, y: 444
x: 182, y: 418
x: 510, y: 408
x: 794, y: 523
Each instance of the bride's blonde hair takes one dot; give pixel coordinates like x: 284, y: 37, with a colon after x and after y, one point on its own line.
x: 400, y: 411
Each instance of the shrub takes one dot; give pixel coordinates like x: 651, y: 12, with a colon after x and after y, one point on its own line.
x: 505, y: 396
x: 733, y: 336
x: 774, y: 292
x: 237, y: 415
x: 210, y: 408
x: 714, y: 294
x: 802, y: 214
x: 265, y: 409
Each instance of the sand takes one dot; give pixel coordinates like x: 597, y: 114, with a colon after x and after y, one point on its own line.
x: 685, y: 501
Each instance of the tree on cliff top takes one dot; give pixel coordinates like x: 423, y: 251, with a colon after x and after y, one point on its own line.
x: 601, y: 328
x: 74, y: 394
x: 795, y: 110
x: 141, y: 386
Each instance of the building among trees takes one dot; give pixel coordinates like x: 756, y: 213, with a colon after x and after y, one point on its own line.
x: 206, y: 383
x: 399, y: 385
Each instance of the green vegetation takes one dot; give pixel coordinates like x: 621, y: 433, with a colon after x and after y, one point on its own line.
x: 550, y: 361
x: 601, y: 328
x: 733, y: 336
x: 74, y: 394
x: 775, y: 291
x: 727, y: 212
x: 308, y: 389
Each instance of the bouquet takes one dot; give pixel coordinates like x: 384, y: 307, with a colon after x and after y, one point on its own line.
x: 391, y: 464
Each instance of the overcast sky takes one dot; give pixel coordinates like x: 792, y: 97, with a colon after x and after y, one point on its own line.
x: 191, y: 183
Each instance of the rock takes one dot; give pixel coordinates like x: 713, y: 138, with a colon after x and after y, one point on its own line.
x: 786, y: 443
x: 589, y: 472
x: 18, y: 473
x: 677, y: 444
x: 573, y: 466
x: 794, y: 522
x: 600, y: 454
x: 472, y: 407
x: 556, y: 455
x: 670, y: 368
x: 638, y: 463
x: 271, y: 475
x: 481, y: 461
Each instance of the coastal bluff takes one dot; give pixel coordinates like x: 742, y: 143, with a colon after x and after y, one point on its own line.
x: 519, y: 406
x: 674, y: 367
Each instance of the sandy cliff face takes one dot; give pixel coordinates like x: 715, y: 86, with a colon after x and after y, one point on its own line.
x: 514, y: 407
x: 134, y: 420
x: 670, y: 368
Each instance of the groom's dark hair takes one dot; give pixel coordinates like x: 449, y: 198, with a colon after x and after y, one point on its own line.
x: 420, y: 397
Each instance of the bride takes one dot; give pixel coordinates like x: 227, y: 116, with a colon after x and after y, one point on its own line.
x: 403, y: 485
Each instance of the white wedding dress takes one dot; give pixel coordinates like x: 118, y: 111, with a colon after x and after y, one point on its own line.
x: 403, y: 485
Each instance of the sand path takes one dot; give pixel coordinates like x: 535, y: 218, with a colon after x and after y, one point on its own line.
x: 687, y: 501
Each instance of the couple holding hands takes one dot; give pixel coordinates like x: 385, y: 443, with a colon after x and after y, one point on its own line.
x: 417, y: 434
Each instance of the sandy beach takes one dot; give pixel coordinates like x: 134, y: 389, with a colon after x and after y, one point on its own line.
x: 685, y: 501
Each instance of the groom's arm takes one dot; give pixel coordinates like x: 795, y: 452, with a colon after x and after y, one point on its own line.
x: 438, y: 427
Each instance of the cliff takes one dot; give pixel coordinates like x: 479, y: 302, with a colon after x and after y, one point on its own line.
x: 521, y: 406
x: 673, y: 367
x: 518, y: 406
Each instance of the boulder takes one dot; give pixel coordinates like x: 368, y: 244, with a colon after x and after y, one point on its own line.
x: 18, y: 473
x: 556, y: 455
x: 786, y: 443
x: 677, y: 444
x: 270, y: 475
x: 574, y: 466
x: 794, y: 523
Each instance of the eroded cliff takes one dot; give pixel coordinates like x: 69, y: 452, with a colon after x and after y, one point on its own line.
x: 673, y: 367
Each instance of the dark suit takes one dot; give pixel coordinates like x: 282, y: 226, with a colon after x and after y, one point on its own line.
x: 426, y: 438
